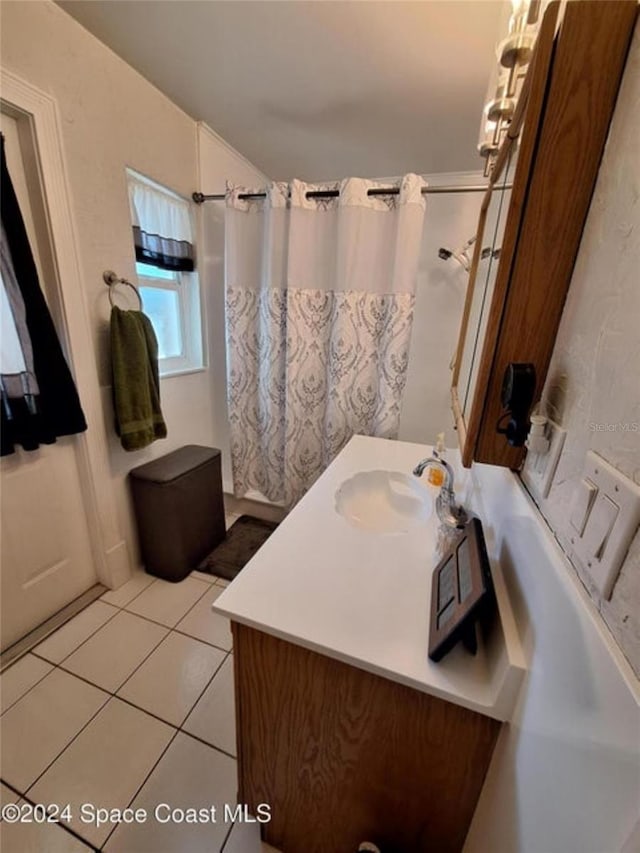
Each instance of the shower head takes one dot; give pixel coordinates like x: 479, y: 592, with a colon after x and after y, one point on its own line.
x: 460, y: 254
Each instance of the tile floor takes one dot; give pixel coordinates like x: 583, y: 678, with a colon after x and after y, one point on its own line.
x: 130, y: 704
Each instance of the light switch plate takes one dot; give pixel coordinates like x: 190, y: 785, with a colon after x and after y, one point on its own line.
x: 539, y: 468
x: 584, y: 496
x: 606, y: 531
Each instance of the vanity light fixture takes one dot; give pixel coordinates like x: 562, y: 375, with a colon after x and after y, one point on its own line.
x: 513, y: 54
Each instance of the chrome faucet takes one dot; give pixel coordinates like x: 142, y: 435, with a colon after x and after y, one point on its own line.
x: 449, y: 512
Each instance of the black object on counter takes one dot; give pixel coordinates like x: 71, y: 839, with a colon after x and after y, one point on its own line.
x: 461, y: 593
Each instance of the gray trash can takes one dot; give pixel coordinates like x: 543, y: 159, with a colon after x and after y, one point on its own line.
x: 179, y: 510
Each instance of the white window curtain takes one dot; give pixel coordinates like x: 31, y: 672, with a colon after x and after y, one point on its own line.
x: 17, y: 370
x: 162, y: 231
x: 319, y: 308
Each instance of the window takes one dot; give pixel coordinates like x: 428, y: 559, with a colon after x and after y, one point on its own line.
x: 168, y: 282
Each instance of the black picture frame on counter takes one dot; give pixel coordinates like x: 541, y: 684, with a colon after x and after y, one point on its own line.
x: 461, y: 594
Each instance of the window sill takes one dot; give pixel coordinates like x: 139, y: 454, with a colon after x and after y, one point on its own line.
x: 185, y: 371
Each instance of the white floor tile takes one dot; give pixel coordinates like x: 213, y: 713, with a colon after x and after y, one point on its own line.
x: 214, y: 717
x: 105, y: 765
x: 203, y: 576
x: 42, y: 723
x: 245, y: 838
x: 203, y: 624
x: 222, y: 582
x: 115, y: 651
x: 190, y: 775
x: 7, y: 796
x: 170, y: 681
x: 128, y: 591
x: 38, y: 838
x: 167, y: 602
x: 63, y: 641
x: 20, y: 677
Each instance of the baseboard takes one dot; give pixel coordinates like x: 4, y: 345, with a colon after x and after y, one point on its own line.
x: 257, y: 506
x: 30, y: 640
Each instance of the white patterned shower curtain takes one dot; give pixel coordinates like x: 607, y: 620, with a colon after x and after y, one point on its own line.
x: 319, y: 307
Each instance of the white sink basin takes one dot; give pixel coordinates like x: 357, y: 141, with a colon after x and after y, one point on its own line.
x: 383, y: 501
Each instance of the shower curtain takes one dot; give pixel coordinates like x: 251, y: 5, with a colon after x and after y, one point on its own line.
x: 319, y: 299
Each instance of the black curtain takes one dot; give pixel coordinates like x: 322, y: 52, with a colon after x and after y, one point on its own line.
x: 57, y: 407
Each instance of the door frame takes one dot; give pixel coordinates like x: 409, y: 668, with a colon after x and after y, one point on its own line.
x: 40, y: 110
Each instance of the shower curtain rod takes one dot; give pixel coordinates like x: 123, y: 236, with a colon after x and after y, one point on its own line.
x: 199, y: 198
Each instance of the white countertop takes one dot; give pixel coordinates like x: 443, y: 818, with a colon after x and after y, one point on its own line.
x: 364, y: 597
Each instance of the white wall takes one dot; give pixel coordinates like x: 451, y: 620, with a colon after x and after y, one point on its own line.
x: 218, y: 163
x: 113, y: 118
x: 449, y: 222
x: 593, y: 383
x: 565, y: 774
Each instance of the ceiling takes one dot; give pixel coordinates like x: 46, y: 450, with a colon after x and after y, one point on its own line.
x: 317, y: 90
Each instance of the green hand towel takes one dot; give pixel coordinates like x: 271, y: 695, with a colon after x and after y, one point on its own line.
x: 136, y: 382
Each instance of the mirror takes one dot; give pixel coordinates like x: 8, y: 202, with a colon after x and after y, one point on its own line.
x: 497, y: 237
x: 482, y: 279
x: 481, y: 287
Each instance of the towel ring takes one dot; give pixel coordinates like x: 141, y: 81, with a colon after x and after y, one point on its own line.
x: 111, y: 279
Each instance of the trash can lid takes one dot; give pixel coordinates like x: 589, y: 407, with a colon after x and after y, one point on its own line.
x: 174, y: 465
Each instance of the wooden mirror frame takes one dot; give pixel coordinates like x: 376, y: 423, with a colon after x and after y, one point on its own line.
x: 563, y: 118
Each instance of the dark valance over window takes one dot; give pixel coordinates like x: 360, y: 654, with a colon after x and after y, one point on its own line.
x: 161, y: 227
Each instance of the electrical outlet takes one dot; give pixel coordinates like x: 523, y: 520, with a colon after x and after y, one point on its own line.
x: 540, y: 468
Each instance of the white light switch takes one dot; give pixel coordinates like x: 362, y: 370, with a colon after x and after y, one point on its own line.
x: 582, y: 503
x: 602, y: 518
x: 609, y: 524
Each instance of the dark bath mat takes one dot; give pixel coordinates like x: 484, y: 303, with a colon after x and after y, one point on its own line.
x: 243, y: 539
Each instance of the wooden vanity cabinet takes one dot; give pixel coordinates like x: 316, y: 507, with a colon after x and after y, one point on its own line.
x: 344, y: 756
x: 562, y: 120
